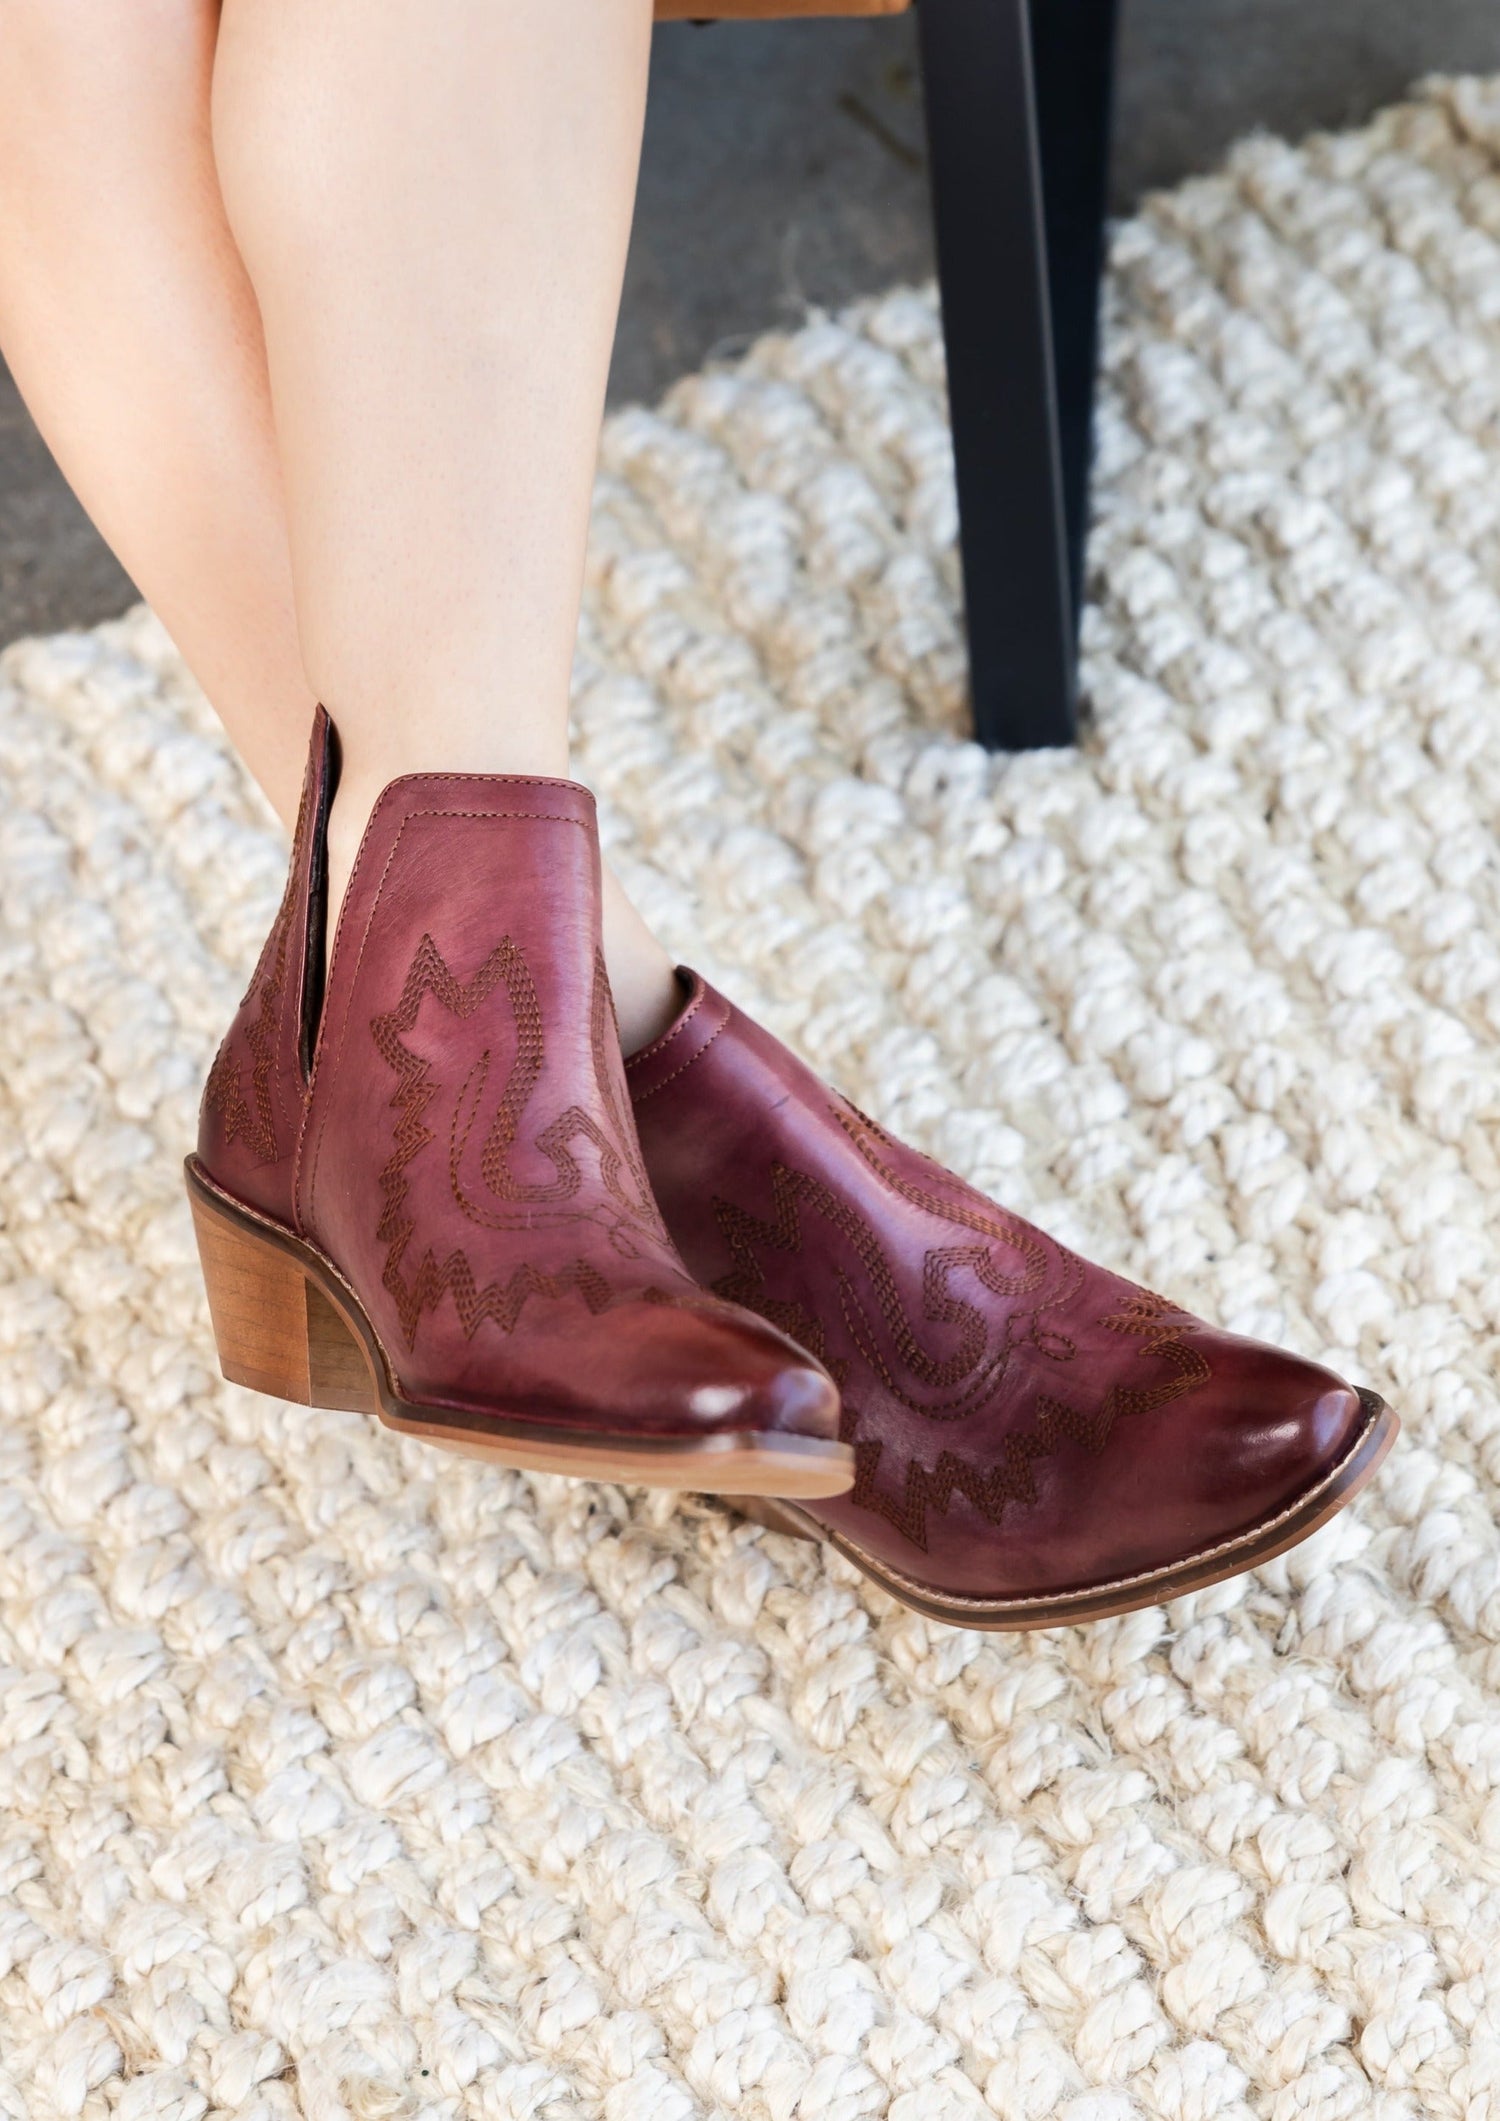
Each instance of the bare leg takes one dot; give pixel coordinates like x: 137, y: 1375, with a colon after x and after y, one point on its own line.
x: 434, y: 206
x: 132, y: 328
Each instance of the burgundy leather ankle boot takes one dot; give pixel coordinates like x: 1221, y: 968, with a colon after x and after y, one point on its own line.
x: 422, y: 1195
x: 1036, y: 1440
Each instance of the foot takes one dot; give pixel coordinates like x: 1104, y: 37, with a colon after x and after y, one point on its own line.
x: 422, y: 1192
x: 1036, y: 1440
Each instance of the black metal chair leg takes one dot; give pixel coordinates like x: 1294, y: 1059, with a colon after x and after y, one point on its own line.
x: 1022, y: 458
x: 1073, y: 57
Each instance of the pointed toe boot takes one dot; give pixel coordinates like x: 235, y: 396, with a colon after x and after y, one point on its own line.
x: 420, y: 1193
x: 1036, y: 1440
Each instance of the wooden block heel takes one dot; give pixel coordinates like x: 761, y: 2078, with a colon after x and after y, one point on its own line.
x: 276, y: 1331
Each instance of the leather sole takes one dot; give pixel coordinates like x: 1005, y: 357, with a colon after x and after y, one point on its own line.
x: 1247, y: 1550
x: 287, y: 1323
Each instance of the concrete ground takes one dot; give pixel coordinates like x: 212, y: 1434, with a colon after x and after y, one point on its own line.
x: 784, y: 165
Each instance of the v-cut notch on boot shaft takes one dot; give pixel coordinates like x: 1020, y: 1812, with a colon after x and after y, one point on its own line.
x: 325, y: 762
x: 437, y: 1140
x: 257, y: 1085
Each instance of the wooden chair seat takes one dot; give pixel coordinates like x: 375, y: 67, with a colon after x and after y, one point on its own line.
x: 766, y: 10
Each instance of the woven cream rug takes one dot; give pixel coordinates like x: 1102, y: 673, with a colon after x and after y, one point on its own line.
x: 338, y: 1778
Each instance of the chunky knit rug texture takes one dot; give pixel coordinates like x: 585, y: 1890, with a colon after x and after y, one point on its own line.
x: 338, y: 1778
